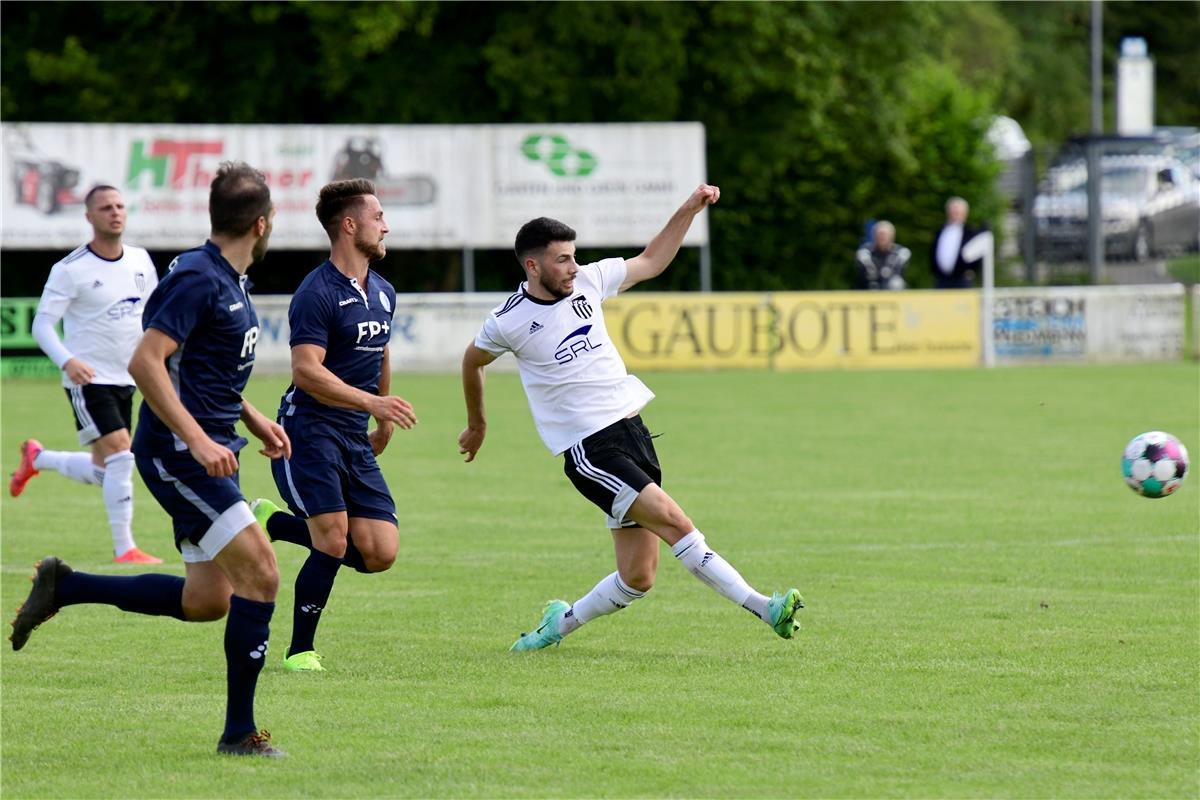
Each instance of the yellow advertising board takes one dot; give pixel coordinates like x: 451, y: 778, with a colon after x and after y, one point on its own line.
x: 796, y: 330
x: 692, y: 331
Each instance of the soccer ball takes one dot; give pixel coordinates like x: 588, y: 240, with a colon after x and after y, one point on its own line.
x: 1154, y: 464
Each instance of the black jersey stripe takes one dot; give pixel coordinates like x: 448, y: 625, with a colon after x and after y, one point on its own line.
x: 76, y: 254
x: 512, y: 303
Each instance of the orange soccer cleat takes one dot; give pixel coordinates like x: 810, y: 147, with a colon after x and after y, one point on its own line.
x: 135, y: 556
x: 29, y: 451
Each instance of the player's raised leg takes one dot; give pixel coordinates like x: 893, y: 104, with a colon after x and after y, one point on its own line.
x: 76, y: 465
x: 56, y: 585
x: 655, y: 510
x: 637, y: 565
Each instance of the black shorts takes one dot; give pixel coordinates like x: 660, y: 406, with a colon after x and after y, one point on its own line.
x: 100, y: 409
x: 612, y: 466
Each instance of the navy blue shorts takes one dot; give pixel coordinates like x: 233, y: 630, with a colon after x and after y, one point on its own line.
x: 331, y: 470
x: 206, y: 512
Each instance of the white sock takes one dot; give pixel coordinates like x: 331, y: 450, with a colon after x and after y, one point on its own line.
x: 718, y: 574
x: 608, y: 596
x: 76, y: 466
x: 118, y: 499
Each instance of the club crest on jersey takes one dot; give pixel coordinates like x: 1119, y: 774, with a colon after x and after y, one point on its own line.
x: 139, y: 280
x: 383, y: 301
x: 580, y: 306
x: 574, y: 345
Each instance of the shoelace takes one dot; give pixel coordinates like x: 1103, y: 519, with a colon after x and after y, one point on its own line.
x: 260, y: 740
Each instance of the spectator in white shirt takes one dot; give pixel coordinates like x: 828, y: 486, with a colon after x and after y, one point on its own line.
x: 950, y: 271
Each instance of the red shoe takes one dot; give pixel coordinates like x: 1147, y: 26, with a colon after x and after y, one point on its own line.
x: 29, y: 451
x: 136, y: 556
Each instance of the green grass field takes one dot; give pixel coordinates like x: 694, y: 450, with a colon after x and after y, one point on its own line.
x: 991, y: 613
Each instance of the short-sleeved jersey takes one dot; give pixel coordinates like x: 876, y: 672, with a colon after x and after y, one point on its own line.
x: 205, y: 306
x: 353, y: 324
x: 573, y: 375
x: 100, y: 302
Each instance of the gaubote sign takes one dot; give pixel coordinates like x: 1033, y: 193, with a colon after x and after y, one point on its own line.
x: 796, y: 330
x: 441, y: 186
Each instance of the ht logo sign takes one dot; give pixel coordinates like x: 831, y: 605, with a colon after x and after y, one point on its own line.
x: 371, y: 329
x: 178, y: 158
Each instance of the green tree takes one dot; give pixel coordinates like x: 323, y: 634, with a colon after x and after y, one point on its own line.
x: 818, y: 115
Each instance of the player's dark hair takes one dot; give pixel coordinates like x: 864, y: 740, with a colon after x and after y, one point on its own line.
x: 99, y: 187
x: 339, y: 200
x: 238, y: 196
x: 537, y: 234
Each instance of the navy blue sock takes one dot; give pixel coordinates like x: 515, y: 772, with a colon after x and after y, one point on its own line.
x: 154, y: 594
x: 354, y: 559
x: 285, y: 527
x: 246, y: 634
x: 313, y: 585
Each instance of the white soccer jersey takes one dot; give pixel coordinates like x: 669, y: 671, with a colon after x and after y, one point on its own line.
x: 573, y: 375
x: 100, y: 303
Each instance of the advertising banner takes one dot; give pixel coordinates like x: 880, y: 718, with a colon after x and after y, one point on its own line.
x: 695, y: 331
x: 429, y: 331
x: 442, y: 186
x: 1089, y: 323
x: 1040, y: 324
x: 1135, y: 323
x: 796, y: 330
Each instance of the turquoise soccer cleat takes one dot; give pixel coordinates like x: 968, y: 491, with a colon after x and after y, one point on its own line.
x: 546, y: 633
x: 783, y: 608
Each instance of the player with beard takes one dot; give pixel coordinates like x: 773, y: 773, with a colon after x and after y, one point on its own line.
x: 341, y: 322
x: 191, y: 365
x: 586, y: 407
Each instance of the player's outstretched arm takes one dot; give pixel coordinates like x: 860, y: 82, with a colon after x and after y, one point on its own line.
x: 149, y: 370
x: 310, y: 374
x: 471, y: 439
x: 662, y: 248
x: 276, y: 443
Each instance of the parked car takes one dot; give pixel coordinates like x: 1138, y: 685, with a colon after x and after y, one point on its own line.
x: 1150, y: 205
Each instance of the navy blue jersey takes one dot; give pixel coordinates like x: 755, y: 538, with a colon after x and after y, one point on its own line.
x: 354, y: 325
x: 204, y: 305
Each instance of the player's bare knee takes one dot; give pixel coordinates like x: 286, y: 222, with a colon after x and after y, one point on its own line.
x: 379, y: 562
x: 266, y: 582
x: 332, y: 546
x: 640, y: 580
x: 210, y: 612
x: 205, y: 606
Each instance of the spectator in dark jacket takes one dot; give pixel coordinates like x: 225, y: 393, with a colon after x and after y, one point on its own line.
x: 881, y: 264
x: 949, y: 269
